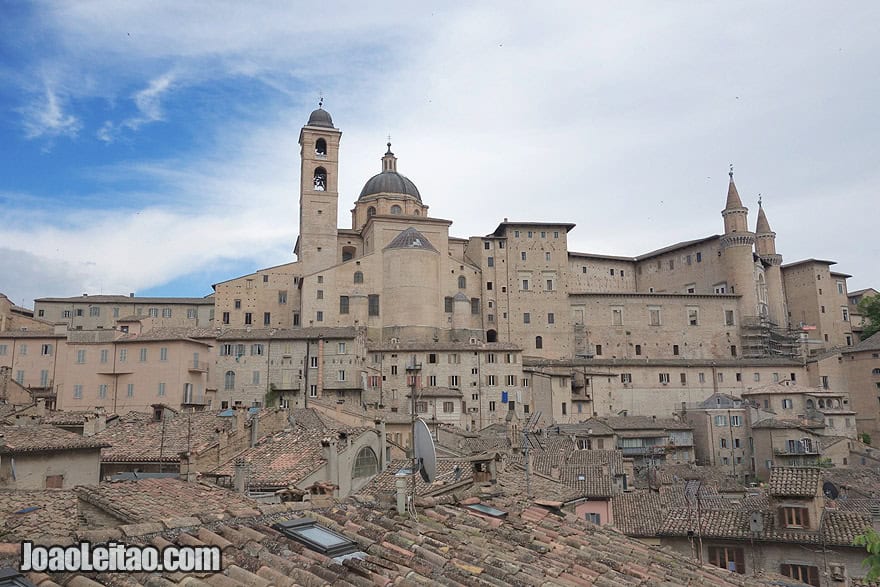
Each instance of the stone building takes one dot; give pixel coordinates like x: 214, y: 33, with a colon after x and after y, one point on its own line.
x: 593, y: 334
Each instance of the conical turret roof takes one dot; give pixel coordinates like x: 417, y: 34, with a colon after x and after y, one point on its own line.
x: 763, y: 226
x: 733, y: 199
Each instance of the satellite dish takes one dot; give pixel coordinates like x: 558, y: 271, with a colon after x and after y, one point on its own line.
x: 830, y: 490
x: 426, y: 457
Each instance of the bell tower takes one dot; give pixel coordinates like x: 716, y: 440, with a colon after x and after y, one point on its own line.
x: 318, y: 192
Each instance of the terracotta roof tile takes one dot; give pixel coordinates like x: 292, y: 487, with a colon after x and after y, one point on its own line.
x: 54, y: 513
x: 43, y: 438
x: 795, y: 481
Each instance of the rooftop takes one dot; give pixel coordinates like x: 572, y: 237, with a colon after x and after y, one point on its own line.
x: 795, y: 481
x: 43, y: 438
x: 120, y: 299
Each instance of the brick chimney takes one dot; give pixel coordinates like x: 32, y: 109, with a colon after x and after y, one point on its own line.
x: 331, y: 455
x: 239, y: 475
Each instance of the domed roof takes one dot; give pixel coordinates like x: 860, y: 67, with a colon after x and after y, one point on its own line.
x: 411, y: 239
x: 390, y: 182
x: 320, y: 117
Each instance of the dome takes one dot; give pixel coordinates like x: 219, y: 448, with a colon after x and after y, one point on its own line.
x: 390, y: 182
x: 320, y: 117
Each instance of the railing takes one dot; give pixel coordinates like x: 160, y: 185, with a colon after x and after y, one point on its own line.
x: 198, y: 366
x: 642, y: 450
x: 795, y: 451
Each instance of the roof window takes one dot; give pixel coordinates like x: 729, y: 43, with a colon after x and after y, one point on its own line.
x: 487, y: 510
x: 320, y: 539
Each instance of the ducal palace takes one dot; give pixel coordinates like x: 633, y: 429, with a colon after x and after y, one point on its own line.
x: 500, y: 327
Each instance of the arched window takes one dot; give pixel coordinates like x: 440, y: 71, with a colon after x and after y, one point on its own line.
x: 320, y: 147
x: 371, y: 211
x: 395, y: 209
x: 491, y: 336
x: 875, y: 371
x: 416, y: 213
x: 462, y: 282
x: 810, y: 404
x: 229, y: 381
x: 822, y: 404
x: 539, y: 342
x: 320, y: 179
x: 358, y: 277
x: 366, y: 464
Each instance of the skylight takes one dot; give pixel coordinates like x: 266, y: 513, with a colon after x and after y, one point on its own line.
x: 487, y: 509
x: 318, y: 538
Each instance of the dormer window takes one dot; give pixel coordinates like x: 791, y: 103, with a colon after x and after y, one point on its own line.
x: 795, y: 517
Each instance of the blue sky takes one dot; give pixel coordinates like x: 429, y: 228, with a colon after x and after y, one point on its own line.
x: 151, y: 147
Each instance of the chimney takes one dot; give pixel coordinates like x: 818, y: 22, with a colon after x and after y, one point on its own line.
x: 331, y: 455
x: 131, y: 294
x: 400, y: 484
x: 383, y: 443
x: 554, y: 471
x: 239, y: 475
x: 255, y: 430
x: 240, y: 419
x: 41, y: 407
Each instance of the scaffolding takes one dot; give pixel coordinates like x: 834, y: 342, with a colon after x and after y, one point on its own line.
x: 763, y: 339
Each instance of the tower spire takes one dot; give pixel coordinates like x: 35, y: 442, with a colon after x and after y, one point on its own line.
x: 763, y: 227
x: 733, y: 199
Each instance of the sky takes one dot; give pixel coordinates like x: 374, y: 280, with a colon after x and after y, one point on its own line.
x: 151, y: 147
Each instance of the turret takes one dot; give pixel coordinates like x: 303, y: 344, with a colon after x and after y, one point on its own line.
x: 766, y: 249
x: 737, y: 250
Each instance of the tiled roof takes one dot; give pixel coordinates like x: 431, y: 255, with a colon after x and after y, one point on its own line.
x: 159, y: 335
x: 872, y: 343
x: 437, y: 392
x: 54, y: 513
x: 634, y: 423
x: 159, y: 499
x: 384, y: 482
x: 61, y: 418
x: 443, y: 346
x: 136, y: 437
x: 795, y: 481
x: 43, y: 438
x: 287, y: 333
x: 285, y: 458
x: 445, y: 545
x: 638, y: 513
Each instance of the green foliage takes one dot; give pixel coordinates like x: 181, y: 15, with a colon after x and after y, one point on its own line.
x: 871, y: 541
x: 272, y: 396
x: 865, y: 437
x: 870, y: 309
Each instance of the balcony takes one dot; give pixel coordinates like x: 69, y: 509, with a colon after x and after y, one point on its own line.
x: 631, y: 451
x: 795, y: 451
x: 197, y: 367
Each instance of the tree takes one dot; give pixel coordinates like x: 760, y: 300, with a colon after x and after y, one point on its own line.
x: 870, y: 309
x: 871, y: 541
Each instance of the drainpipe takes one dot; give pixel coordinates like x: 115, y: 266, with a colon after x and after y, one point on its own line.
x: 320, y: 367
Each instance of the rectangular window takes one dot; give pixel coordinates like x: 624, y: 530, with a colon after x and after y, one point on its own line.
x: 19, y: 377
x: 486, y: 245
x: 225, y: 317
x: 525, y: 285
x: 721, y: 420
x: 79, y: 312
x: 343, y: 304
x: 491, y: 406
x: 475, y: 305
x: 510, y: 380
x: 163, y: 354
x: 373, y: 304
x: 313, y: 362
x: 257, y: 349
x: 282, y: 297
x: 787, y: 404
x: 617, y: 316
x: 102, y: 391
x: 675, y: 349
x: 684, y: 378
x: 313, y: 390
x: 795, y: 517
x: 845, y: 313
x: 77, y: 391
x: 523, y: 255
x: 453, y: 359
x: 453, y: 381
x: 94, y: 311
x: 3, y: 349
x: 702, y: 377
x: 756, y: 377
x: 801, y: 573
x: 22, y: 350
x: 255, y: 378
x: 166, y: 312
x: 319, y: 294
x: 448, y: 407
x: 564, y: 409
x: 489, y: 285
x: 191, y: 314
x: 491, y: 380
x: 142, y: 356
x: 527, y: 318
x: 421, y: 407
x: 599, y: 350
x: 547, y: 257
x: 723, y: 443
x: 654, y: 314
x: 664, y: 378
x: 161, y: 389
x: 736, y: 420
x: 319, y: 316
x: 248, y: 318
x: 432, y: 381
x: 81, y: 356
x: 490, y: 261
x: 129, y: 390
x: 728, y: 557
x: 733, y: 350
x: 693, y: 316
x: 46, y: 350
x: 638, y: 350
x: 551, y: 318
x: 267, y: 318
x: 720, y: 377
x: 153, y: 312
x: 626, y: 378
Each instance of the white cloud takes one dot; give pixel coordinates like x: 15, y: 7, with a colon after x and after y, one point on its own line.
x: 149, y: 105
x: 622, y: 119
x: 45, y: 117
